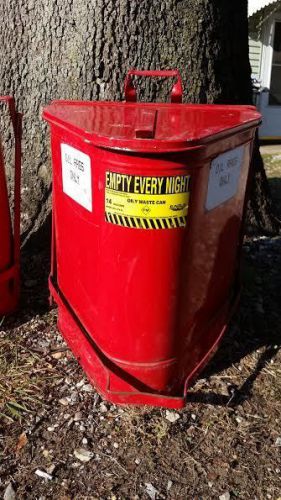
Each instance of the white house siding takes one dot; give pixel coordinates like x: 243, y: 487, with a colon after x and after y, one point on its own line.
x: 255, y: 52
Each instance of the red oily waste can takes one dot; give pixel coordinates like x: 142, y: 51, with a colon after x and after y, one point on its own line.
x: 148, y: 207
x: 10, y: 234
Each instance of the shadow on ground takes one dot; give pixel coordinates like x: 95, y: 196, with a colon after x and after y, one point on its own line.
x: 257, y: 324
x: 275, y: 187
x: 36, y: 261
x: 35, y: 268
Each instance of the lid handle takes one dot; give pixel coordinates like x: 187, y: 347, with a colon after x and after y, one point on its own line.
x: 177, y: 89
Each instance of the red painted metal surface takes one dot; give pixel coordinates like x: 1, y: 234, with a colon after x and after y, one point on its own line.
x: 10, y: 233
x: 114, y: 124
x: 177, y: 90
x: 143, y: 308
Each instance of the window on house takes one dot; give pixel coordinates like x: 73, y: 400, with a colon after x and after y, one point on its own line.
x: 275, y: 85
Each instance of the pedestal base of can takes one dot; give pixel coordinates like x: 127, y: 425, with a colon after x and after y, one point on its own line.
x: 101, y: 370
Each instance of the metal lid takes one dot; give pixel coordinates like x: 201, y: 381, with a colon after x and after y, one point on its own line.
x: 150, y: 127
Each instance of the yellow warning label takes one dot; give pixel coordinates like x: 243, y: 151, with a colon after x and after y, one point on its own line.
x: 146, y: 202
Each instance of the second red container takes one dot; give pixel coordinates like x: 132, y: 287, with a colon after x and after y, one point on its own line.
x: 10, y: 233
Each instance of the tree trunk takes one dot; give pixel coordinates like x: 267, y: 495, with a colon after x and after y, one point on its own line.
x: 261, y: 213
x: 54, y: 49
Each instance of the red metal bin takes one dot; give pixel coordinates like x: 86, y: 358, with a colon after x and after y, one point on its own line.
x: 148, y: 204
x: 10, y: 236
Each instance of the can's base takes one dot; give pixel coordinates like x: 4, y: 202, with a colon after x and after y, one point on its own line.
x: 100, y: 369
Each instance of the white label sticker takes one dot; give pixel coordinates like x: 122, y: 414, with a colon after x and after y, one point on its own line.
x: 76, y: 175
x: 224, y: 177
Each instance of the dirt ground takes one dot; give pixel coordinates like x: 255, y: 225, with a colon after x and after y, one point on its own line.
x: 59, y: 440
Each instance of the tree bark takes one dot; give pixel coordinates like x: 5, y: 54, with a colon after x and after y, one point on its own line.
x: 53, y: 49
x: 261, y: 213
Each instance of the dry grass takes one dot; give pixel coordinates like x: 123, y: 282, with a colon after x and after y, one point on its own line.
x: 23, y: 375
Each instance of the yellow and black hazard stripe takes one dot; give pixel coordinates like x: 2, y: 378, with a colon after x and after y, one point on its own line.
x: 145, y: 223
